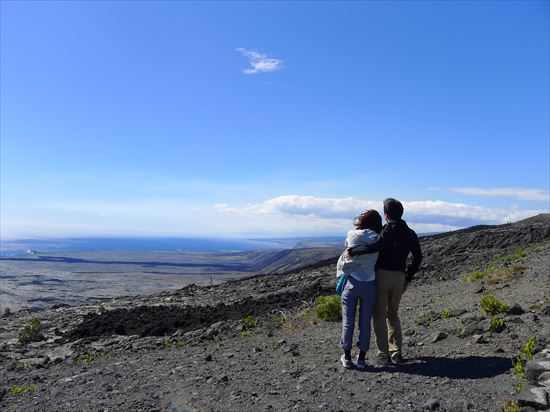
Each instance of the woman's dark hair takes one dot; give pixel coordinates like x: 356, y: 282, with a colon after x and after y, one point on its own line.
x: 370, y: 219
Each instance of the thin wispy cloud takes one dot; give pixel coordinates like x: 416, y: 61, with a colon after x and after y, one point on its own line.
x: 259, y: 62
x: 510, y: 192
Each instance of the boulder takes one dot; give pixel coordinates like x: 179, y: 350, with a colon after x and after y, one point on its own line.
x: 516, y: 309
x: 473, y: 328
x: 533, y: 396
x: 438, y: 336
x: 534, y: 368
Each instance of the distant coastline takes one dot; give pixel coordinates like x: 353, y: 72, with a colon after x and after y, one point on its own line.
x: 28, y: 246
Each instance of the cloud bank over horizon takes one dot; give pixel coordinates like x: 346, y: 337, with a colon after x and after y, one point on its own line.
x: 285, y: 215
x: 422, y: 213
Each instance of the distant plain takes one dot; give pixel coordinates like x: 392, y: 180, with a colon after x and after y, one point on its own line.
x: 39, y: 279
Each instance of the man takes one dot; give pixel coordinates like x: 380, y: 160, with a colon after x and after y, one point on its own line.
x: 395, y: 243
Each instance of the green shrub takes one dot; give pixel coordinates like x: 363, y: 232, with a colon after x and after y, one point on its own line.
x: 476, y: 275
x: 528, y: 349
x: 328, y: 307
x: 7, y: 312
x: 518, y: 363
x: 245, y: 333
x: 510, y: 257
x: 168, y: 344
x: 171, y: 344
x: 497, y: 324
x: 91, y: 357
x: 31, y: 332
x: 527, y: 352
x: 279, y: 317
x: 86, y: 358
x: 492, y: 306
x: 17, y: 389
x: 510, y: 405
x: 248, y: 322
x: 446, y: 314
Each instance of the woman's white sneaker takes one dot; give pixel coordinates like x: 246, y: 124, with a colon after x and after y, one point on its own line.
x: 348, y: 364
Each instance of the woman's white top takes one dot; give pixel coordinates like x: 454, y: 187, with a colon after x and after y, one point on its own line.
x: 359, y: 267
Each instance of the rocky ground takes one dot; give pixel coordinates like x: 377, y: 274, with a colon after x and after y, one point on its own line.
x: 189, y: 349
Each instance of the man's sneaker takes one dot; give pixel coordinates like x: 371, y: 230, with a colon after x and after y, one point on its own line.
x: 361, y: 364
x: 348, y: 364
x: 398, y: 359
x: 383, y: 361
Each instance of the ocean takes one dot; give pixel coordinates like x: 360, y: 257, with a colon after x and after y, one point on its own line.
x: 29, y: 246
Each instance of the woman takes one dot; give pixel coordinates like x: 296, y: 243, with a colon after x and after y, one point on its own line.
x: 360, y: 287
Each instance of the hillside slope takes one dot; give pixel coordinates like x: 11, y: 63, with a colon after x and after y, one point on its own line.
x: 186, y: 350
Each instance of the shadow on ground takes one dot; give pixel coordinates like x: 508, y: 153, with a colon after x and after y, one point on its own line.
x: 469, y: 367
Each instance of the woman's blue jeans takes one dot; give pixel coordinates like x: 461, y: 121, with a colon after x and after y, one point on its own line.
x: 363, y: 293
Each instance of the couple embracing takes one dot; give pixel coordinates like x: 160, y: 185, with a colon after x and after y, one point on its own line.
x: 373, y: 271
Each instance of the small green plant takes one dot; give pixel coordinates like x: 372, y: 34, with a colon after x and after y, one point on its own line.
x: 528, y: 349
x: 497, y: 324
x: 245, y: 333
x: 7, y: 312
x: 173, y: 343
x: 518, y: 363
x: 17, y: 389
x: 31, y: 332
x: 86, y: 358
x: 510, y: 405
x: 476, y: 275
x: 91, y: 357
x: 510, y: 257
x: 248, y: 322
x: 492, y: 306
x: 279, y: 317
x: 527, y: 352
x: 328, y: 307
x: 458, y: 330
x: 446, y: 314
x: 519, y: 387
x: 101, y: 308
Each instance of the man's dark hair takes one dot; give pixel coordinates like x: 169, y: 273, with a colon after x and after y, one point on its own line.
x: 393, y: 208
x: 370, y: 219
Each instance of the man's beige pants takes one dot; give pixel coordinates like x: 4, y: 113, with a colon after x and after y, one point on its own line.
x: 387, y: 326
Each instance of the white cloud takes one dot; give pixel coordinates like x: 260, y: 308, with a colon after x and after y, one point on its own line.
x: 511, y: 192
x: 260, y: 62
x: 428, y: 213
x: 290, y: 215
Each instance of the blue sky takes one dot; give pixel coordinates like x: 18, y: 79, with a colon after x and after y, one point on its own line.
x: 270, y: 118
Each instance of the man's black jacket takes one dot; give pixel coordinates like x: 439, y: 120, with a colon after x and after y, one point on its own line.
x: 395, y: 243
